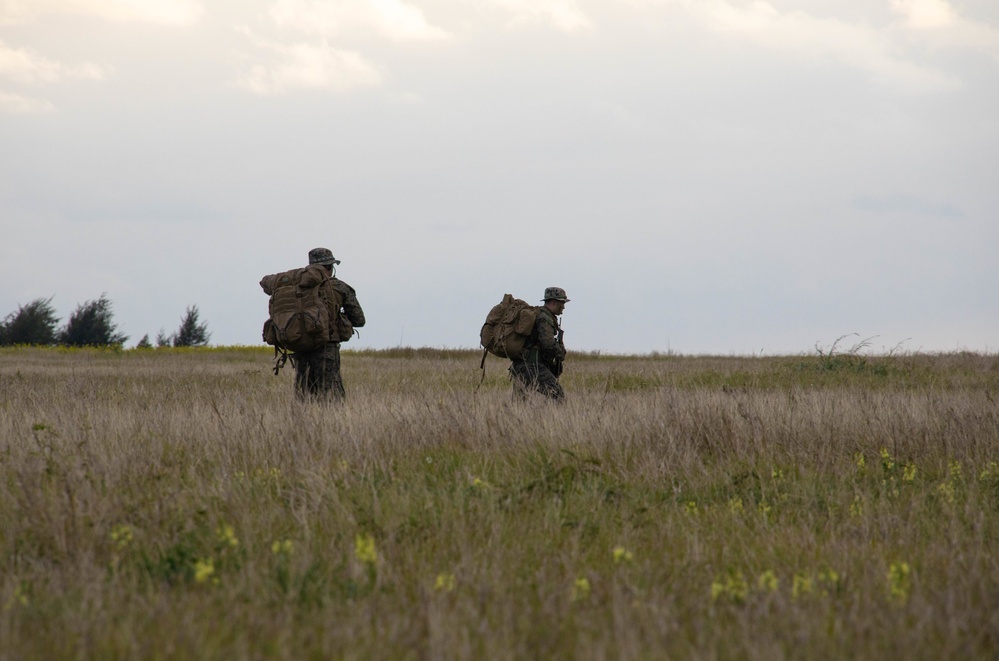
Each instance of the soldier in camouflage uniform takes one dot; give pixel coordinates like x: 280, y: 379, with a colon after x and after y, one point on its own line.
x: 317, y: 373
x: 539, y: 366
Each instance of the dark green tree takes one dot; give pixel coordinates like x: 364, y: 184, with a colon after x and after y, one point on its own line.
x: 144, y: 343
x: 92, y: 324
x: 34, y: 323
x: 191, y: 333
x: 163, y: 340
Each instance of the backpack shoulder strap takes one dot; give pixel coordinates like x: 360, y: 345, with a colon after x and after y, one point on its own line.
x: 482, y: 366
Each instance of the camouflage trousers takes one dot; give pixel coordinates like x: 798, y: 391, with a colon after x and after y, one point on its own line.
x: 317, y: 374
x: 529, y: 376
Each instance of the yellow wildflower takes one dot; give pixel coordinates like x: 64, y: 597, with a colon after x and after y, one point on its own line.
x: 955, y: 470
x: 767, y: 581
x: 445, y: 582
x: 622, y: 554
x: 733, y: 586
x: 227, y: 536
x: 203, y: 570
x: 991, y: 470
x: 364, y: 549
x: 886, y: 460
x: 281, y: 547
x: 829, y: 579
x: 802, y: 585
x: 946, y: 489
x: 121, y: 536
x: 857, y: 507
x: 737, y: 586
x: 899, y: 582
x: 581, y: 588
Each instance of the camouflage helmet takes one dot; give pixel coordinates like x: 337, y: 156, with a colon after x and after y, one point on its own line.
x: 555, y: 294
x: 322, y: 256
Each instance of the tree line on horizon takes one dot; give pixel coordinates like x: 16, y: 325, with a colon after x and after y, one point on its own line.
x: 91, y: 325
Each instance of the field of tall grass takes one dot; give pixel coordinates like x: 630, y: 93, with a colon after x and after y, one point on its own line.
x: 180, y: 504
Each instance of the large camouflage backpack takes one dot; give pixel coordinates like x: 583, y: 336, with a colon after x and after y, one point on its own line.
x: 508, y: 326
x: 299, y: 313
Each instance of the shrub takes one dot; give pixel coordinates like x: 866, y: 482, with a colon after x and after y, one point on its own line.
x: 34, y: 323
x: 191, y: 333
x: 92, y: 324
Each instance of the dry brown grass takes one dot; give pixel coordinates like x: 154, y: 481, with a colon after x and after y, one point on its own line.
x: 182, y: 504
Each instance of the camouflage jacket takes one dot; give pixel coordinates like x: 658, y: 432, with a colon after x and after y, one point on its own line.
x: 544, y: 346
x: 348, y: 301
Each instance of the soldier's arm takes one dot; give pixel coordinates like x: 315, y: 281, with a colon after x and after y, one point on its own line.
x: 548, y: 347
x: 350, y: 305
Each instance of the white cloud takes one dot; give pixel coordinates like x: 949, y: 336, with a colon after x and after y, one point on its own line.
x: 307, y: 66
x: 563, y: 15
x: 923, y: 14
x: 391, y: 19
x: 17, y: 104
x: 22, y: 66
x: 859, y: 45
x: 937, y: 22
x: 167, y: 12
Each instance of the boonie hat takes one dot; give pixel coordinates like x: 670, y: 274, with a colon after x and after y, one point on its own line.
x: 555, y: 294
x: 322, y: 256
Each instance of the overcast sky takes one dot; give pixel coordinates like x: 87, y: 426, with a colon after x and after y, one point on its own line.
x: 701, y: 176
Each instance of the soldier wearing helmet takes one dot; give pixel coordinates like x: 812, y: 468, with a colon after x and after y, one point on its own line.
x: 539, y: 366
x: 317, y: 373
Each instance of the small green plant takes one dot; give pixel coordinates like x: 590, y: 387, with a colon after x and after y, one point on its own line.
x: 581, y: 588
x: 899, y: 582
x: 768, y: 581
x: 731, y: 586
x: 445, y: 582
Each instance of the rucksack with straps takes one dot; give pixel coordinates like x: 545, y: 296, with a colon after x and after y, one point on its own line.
x: 299, y: 318
x: 508, y: 326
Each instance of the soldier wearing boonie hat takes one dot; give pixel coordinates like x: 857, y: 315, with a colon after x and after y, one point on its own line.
x: 317, y: 373
x: 539, y: 366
